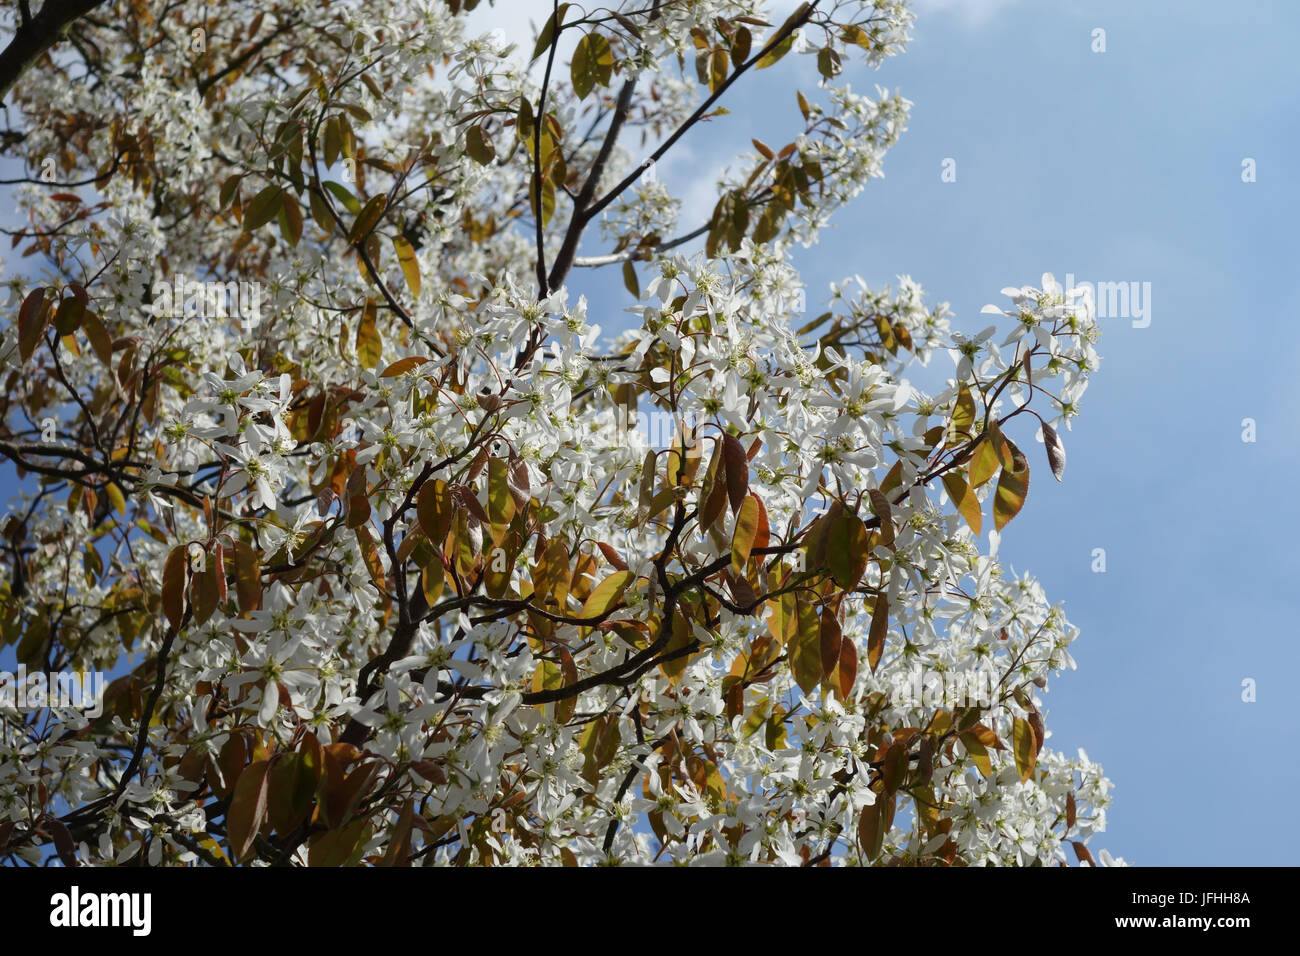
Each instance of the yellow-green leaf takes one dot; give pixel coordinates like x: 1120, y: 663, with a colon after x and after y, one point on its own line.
x: 1024, y: 743
x: 1013, y: 486
x: 341, y: 193
x: 501, y: 504
x: 806, y: 647
x: 775, y: 53
x: 963, y: 499
x: 370, y: 347
x: 547, y: 207
x: 592, y: 64
x: 978, y: 753
x: 984, y: 462
x: 963, y: 416
x: 607, y: 594
x: 742, y: 539
x: 410, y: 265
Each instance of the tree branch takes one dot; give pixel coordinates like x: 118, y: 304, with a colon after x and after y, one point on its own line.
x: 36, y: 34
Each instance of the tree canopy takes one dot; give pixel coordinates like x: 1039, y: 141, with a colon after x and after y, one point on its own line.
x: 394, y: 556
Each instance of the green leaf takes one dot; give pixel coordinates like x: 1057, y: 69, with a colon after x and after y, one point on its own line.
x: 368, y: 218
x: 524, y: 121
x: 320, y: 210
x: 331, y: 140
x: 547, y: 36
x: 434, y: 510
x: 719, y: 66
x: 775, y: 53
x: 100, y: 341
x: 548, y: 199
x: 68, y: 316
x: 263, y: 207
x: 229, y: 188
x: 290, y: 217
x: 337, y: 847
x: 501, y: 504
x: 846, y: 550
x: 592, y: 64
x: 31, y: 649
x: 871, y: 831
x: 349, y: 201
x: 294, y: 778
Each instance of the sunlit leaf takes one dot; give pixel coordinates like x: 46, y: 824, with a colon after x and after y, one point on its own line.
x: 607, y: 594
x: 1024, y: 745
x: 1012, y: 488
x: 410, y: 264
x: 369, y: 344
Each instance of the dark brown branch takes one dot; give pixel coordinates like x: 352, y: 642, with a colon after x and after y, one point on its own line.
x: 36, y: 35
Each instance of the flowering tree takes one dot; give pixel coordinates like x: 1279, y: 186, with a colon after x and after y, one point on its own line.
x: 326, y: 466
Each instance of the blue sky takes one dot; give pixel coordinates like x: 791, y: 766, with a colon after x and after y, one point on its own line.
x: 1117, y: 166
